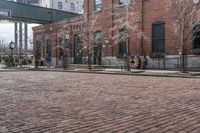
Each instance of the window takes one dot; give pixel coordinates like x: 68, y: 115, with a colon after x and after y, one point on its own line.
x: 72, y: 7
x: 195, y: 1
x: 48, y: 47
x: 97, y: 47
x: 98, y: 38
x: 122, y: 41
x: 78, y: 49
x: 38, y: 49
x: 61, y: 48
x: 124, y: 2
x: 196, y: 36
x: 59, y: 5
x: 158, y: 37
x: 98, y: 5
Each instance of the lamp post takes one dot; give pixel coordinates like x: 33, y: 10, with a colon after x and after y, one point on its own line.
x: 64, y: 45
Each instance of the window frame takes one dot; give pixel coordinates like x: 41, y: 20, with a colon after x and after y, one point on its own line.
x: 125, y: 3
x: 49, y: 47
x: 60, y: 5
x: 122, y: 41
x: 72, y: 7
x: 154, y: 47
x: 96, y: 6
x: 194, y: 36
x: 98, y: 44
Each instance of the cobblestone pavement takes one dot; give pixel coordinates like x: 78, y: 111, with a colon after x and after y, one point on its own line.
x: 53, y: 102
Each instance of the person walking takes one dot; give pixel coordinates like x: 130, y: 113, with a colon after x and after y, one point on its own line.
x: 47, y: 61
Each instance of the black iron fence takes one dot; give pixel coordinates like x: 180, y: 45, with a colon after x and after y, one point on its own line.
x: 190, y: 62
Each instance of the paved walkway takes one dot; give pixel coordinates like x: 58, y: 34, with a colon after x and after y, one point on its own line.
x: 57, y: 102
x: 135, y: 72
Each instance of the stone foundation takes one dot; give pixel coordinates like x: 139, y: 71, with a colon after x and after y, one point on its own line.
x: 169, y: 62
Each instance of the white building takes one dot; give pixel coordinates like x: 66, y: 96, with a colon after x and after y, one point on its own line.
x: 31, y: 2
x: 75, y: 6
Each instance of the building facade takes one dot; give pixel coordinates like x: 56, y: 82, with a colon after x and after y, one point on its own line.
x: 59, y: 40
x: 117, y: 30
x: 75, y: 6
x: 31, y: 2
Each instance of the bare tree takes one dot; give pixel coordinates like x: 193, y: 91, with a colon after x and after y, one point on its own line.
x: 127, y: 24
x: 89, y: 21
x: 185, y: 16
x: 4, y: 48
x: 126, y: 17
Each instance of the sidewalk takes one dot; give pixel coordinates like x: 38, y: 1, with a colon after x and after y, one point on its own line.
x: 134, y: 72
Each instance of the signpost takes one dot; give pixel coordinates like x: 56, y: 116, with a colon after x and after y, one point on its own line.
x: 66, y: 39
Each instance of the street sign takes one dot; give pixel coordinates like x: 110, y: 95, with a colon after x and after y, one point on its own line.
x: 5, y: 13
x: 67, y: 36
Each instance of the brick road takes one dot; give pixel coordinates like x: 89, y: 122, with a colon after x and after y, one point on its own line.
x: 54, y: 102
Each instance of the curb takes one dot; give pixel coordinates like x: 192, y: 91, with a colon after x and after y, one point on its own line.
x: 133, y: 73
x: 124, y: 73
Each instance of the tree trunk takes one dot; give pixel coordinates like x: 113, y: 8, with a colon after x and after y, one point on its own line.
x: 182, y: 63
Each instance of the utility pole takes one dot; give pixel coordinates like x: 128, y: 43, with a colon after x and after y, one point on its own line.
x: 20, y: 39
x: 16, y: 38
x: 25, y: 37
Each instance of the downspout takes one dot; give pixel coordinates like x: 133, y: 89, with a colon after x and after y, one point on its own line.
x: 142, y: 27
x: 87, y: 25
x: 112, y: 25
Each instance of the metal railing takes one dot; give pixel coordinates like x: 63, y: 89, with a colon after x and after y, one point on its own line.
x: 191, y: 63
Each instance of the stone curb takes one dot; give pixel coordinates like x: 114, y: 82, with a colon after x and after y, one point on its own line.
x: 134, y: 73
x: 176, y: 75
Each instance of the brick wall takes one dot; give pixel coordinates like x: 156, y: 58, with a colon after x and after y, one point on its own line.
x: 55, y: 32
x: 107, y: 21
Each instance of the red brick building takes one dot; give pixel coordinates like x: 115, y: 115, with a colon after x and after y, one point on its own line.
x: 57, y: 40
x: 115, y: 29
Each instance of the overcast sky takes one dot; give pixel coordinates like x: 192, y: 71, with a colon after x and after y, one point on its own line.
x: 7, y: 31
